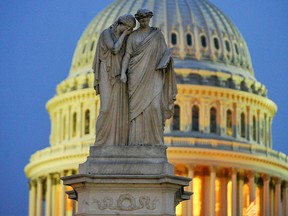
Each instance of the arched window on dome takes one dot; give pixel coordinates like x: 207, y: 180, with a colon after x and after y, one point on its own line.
x: 216, y: 43
x: 243, y: 52
x: 92, y: 46
x: 213, y: 120
x: 189, y: 39
x: 254, y: 130
x: 195, y: 118
x: 243, y: 125
x: 87, y: 122
x: 229, y: 125
x: 84, y: 49
x: 74, y: 124
x: 174, y: 39
x: 176, y: 118
x: 236, y: 48
x: 227, y: 44
x: 203, y: 41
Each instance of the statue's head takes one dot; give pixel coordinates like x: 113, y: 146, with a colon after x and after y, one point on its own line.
x: 127, y: 20
x: 143, y: 13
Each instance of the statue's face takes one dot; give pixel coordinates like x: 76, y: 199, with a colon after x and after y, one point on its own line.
x: 144, y: 22
x: 123, y: 27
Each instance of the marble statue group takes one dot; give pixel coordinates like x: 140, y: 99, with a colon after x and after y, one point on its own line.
x: 127, y: 171
x: 135, y: 78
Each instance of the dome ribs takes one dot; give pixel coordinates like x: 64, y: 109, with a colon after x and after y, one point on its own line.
x: 194, y: 25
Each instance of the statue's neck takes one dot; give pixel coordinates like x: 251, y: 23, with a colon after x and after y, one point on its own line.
x: 146, y: 29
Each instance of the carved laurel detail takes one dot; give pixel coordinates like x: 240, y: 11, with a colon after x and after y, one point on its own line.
x: 126, y: 202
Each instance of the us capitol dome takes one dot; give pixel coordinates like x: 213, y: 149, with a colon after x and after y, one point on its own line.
x: 220, y: 134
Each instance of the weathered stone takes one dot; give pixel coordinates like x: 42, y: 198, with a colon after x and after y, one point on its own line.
x: 127, y: 160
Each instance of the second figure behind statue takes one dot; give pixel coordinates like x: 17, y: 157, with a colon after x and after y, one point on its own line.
x: 152, y: 90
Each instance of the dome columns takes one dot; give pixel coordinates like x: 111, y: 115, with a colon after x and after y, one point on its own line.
x: 189, y: 203
x: 49, y: 189
x: 277, y: 200
x: 186, y: 170
x: 234, y: 119
x: 248, y: 123
x: 223, y: 121
x: 266, y: 195
x: 48, y: 195
x: 243, y: 120
x: 39, y: 197
x: 240, y: 189
x: 223, y: 175
x: 32, y: 198
x: 252, y: 187
x: 285, y: 199
x: 62, y: 196
x: 211, y: 195
x: 54, y: 126
x: 258, y: 119
x: 232, y: 190
x: 187, y: 116
x: 204, y: 115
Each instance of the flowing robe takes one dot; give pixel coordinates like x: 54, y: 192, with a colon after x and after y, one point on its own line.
x: 112, y: 122
x: 151, y: 92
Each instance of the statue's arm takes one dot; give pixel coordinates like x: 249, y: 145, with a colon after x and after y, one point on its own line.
x: 115, y: 47
x: 125, y: 63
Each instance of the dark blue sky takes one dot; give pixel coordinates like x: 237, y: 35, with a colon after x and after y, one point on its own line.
x: 37, y: 41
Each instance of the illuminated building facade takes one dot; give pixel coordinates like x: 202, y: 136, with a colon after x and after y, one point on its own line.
x: 220, y: 134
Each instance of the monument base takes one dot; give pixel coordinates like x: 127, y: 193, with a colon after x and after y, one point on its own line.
x: 127, y: 180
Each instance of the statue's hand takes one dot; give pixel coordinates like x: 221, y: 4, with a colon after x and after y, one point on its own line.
x: 123, y: 78
x: 128, y: 31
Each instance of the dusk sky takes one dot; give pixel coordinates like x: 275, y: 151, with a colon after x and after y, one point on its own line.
x: 37, y: 42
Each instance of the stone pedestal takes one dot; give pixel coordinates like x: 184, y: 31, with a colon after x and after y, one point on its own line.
x: 127, y: 180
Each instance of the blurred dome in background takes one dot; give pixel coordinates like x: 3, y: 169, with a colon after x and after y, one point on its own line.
x: 202, y: 36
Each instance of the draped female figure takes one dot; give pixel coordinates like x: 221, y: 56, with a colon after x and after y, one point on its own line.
x: 151, y: 90
x: 112, y: 122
